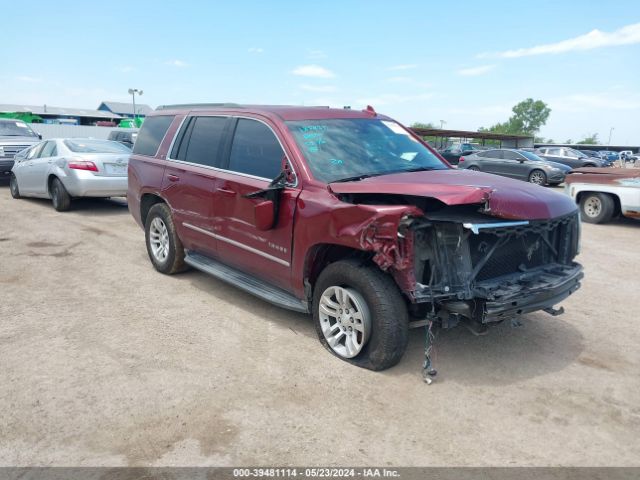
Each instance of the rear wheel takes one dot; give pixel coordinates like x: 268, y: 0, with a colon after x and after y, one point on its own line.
x: 597, y: 207
x: 163, y: 245
x: 538, y: 177
x: 360, y: 315
x: 59, y: 196
x: 13, y: 186
x: 473, y: 168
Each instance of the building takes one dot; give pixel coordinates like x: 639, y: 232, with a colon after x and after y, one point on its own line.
x: 62, y: 115
x: 440, y: 138
x: 125, y: 109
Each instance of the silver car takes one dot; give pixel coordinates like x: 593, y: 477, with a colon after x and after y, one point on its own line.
x: 62, y: 169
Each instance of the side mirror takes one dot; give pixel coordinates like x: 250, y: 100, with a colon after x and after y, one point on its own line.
x: 40, y: 136
x: 521, y: 160
x: 264, y: 215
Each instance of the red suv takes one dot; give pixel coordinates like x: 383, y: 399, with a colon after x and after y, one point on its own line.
x: 349, y: 216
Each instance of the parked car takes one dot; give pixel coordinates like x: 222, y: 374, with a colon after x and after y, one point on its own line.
x: 349, y: 216
x: 591, y: 153
x: 609, y: 155
x: 453, y: 153
x: 125, y: 137
x: 568, y: 156
x: 628, y: 156
x: 63, y: 169
x: 603, y: 194
x: 15, y: 136
x: 518, y: 164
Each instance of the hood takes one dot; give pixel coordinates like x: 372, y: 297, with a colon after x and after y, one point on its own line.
x: 504, y: 197
x: 559, y: 166
x: 6, y: 140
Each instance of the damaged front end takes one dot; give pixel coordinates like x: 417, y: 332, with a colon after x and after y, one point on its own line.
x: 486, y: 271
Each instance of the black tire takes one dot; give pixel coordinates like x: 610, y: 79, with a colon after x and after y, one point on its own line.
x: 388, y: 312
x: 597, y: 207
x: 174, y: 261
x: 59, y: 196
x: 473, y: 168
x: 13, y: 186
x: 537, y: 177
x: 590, y: 165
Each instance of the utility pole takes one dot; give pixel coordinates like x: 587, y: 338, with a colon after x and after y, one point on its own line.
x: 610, y: 132
x: 132, y: 92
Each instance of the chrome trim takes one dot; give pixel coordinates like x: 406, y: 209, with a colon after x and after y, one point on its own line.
x: 476, y: 227
x: 237, y: 244
x: 191, y: 114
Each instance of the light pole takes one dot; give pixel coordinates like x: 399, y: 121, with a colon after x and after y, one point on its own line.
x: 442, y: 122
x: 610, y: 132
x: 132, y: 92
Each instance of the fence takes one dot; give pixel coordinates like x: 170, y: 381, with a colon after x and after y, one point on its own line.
x: 74, y: 131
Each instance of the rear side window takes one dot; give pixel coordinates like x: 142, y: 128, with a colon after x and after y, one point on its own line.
x: 256, y: 150
x: 200, y: 143
x: 151, y: 134
x: 49, y: 149
x: 509, y: 155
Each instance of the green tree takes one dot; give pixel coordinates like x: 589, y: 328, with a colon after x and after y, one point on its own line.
x: 527, y: 119
x: 422, y: 125
x: 591, y: 139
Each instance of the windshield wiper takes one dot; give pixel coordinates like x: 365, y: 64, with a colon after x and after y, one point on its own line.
x: 419, y: 169
x: 355, y: 178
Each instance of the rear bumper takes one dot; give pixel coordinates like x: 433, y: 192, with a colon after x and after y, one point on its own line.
x: 89, y: 185
x: 535, y: 290
x: 5, y: 166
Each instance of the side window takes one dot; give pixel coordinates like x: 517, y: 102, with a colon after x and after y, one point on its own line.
x: 256, y: 150
x: 34, y: 152
x: 47, y: 149
x: 554, y: 151
x: 151, y: 134
x: 493, y: 154
x: 202, y: 145
x: 509, y: 155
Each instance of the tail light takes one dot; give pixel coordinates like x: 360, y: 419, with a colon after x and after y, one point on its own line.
x: 461, y: 160
x: 82, y: 165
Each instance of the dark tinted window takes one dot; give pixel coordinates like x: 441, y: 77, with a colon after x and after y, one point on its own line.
x: 91, y: 145
x: 151, y: 134
x: 492, y: 154
x: 256, y: 150
x: 509, y: 155
x: 201, y: 143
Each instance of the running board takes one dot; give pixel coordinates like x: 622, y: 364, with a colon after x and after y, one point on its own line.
x: 246, y: 282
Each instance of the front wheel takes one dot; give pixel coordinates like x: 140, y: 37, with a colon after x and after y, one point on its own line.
x: 163, y: 244
x: 597, y: 207
x: 360, y: 315
x: 13, y: 186
x: 538, y: 177
x: 473, y: 168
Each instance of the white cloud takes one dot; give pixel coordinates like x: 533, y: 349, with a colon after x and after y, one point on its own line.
x: 27, y: 79
x: 407, y: 66
x: 177, y: 63
x: 475, y: 71
x: 627, y: 35
x: 394, y: 98
x: 316, y: 54
x: 255, y: 50
x: 318, y: 88
x: 315, y: 71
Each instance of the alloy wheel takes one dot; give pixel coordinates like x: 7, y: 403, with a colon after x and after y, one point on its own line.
x: 537, y: 178
x: 159, y: 239
x: 345, y: 320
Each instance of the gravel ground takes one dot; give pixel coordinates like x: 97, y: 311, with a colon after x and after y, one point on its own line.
x: 104, y: 361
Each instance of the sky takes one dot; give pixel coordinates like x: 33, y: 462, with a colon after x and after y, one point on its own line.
x: 462, y: 65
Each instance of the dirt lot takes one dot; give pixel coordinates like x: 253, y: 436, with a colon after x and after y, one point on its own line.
x: 103, y: 361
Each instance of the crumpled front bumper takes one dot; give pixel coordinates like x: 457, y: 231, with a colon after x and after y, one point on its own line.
x: 537, y: 289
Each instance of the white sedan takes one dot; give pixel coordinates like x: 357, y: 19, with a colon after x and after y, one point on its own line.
x: 62, y: 169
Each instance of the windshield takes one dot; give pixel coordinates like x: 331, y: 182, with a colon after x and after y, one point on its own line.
x: 96, y: 146
x: 531, y: 156
x: 341, y: 149
x: 16, y: 129
x: 577, y: 152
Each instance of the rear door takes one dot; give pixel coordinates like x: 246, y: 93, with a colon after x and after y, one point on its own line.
x: 513, y: 165
x: 256, y: 157
x: 490, y: 160
x: 27, y: 173
x: 190, y: 179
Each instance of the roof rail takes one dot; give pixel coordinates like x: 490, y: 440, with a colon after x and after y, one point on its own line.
x: 197, y: 105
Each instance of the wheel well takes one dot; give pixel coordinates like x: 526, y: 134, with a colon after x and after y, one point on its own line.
x: 49, y: 181
x: 320, y: 256
x: 147, y: 201
x: 616, y: 199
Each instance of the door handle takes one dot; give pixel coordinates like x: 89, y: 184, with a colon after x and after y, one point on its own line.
x: 173, y: 178
x: 228, y: 193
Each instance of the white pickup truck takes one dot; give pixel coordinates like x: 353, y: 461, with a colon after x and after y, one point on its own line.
x: 603, y: 193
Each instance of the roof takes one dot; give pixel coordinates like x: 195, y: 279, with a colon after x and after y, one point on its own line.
x: 126, y: 108
x: 437, y: 132
x: 48, y: 110
x: 283, y: 112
